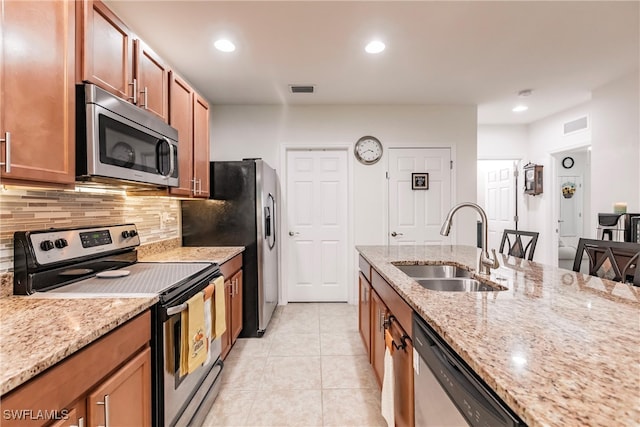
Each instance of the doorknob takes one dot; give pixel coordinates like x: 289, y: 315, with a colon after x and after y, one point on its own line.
x: 291, y: 233
x: 394, y: 234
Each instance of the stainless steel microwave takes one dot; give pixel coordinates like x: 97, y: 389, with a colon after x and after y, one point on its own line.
x: 116, y: 140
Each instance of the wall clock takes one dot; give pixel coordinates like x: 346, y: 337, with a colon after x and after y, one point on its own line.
x: 368, y: 150
x: 567, y: 162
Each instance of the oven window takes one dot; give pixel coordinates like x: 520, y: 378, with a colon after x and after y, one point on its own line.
x: 124, y: 146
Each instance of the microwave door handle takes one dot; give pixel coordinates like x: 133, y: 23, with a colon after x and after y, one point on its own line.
x: 172, y: 163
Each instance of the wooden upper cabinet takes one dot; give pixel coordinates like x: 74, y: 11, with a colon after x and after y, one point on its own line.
x: 37, y: 92
x: 181, y: 117
x: 201, y: 146
x: 125, y: 398
x: 153, y: 81
x: 107, y: 51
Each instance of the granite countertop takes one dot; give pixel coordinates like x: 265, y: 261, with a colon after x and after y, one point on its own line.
x: 560, y: 348
x: 38, y: 333
x: 219, y: 254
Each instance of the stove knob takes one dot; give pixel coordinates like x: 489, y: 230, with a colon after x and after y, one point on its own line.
x: 133, y: 233
x: 61, y: 243
x: 46, y: 245
x: 125, y: 234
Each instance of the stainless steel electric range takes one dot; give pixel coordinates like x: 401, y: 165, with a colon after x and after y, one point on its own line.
x: 102, y: 262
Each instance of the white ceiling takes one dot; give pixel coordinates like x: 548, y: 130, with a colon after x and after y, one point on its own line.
x: 472, y: 52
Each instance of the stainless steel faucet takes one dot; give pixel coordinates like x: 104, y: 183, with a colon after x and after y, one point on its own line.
x: 486, y: 263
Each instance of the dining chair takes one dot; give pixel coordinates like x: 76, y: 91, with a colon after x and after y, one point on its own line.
x: 520, y: 244
x: 611, y: 260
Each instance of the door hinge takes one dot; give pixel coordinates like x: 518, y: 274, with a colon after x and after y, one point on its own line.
x: 451, y: 164
x: 515, y: 218
x: 515, y: 172
x: 386, y: 174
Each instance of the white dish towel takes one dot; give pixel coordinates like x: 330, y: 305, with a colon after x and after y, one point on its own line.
x: 386, y: 403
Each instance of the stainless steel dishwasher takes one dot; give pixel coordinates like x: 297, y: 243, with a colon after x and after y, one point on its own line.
x: 447, y: 392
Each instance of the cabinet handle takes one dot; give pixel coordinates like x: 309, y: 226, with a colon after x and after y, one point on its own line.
x: 403, y: 343
x: 145, y: 93
x: 134, y: 98
x: 194, y: 186
x: 80, y: 423
x: 7, y: 152
x: 380, y: 321
x: 106, y: 410
x: 199, y: 186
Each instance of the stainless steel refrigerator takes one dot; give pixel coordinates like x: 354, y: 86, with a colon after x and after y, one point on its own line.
x: 242, y: 212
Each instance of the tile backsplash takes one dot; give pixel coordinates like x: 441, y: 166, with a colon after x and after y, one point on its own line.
x: 157, y: 218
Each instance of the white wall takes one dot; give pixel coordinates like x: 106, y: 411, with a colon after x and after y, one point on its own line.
x: 502, y: 141
x: 616, y: 145
x: 545, y: 138
x: 263, y: 131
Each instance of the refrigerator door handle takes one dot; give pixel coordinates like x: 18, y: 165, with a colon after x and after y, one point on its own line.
x: 269, y: 221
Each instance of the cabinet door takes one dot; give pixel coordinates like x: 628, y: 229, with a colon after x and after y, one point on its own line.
x: 181, y: 118
x: 201, y: 146
x: 37, y: 91
x: 107, y: 51
x: 125, y: 398
x: 236, y: 306
x: 403, y: 376
x: 226, y: 337
x: 364, y: 312
x: 378, y: 315
x: 76, y: 415
x: 153, y: 81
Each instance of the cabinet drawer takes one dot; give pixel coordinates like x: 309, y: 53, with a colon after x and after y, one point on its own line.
x: 393, y: 301
x: 229, y: 267
x: 365, y: 267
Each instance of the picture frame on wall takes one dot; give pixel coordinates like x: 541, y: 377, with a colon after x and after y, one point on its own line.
x: 419, y: 181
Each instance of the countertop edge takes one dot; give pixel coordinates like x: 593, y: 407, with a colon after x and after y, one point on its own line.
x: 17, y: 379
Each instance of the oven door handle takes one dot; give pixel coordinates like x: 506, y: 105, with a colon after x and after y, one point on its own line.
x: 177, y: 309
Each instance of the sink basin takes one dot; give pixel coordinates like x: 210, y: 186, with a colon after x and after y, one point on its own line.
x: 433, y: 271
x: 458, y: 284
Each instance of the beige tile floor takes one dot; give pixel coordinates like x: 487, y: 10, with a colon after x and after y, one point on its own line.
x: 310, y: 369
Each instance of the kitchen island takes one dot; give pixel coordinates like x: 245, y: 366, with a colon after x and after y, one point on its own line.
x: 559, y: 348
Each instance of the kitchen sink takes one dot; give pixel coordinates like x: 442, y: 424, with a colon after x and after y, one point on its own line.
x: 458, y: 284
x: 433, y: 271
x: 446, y: 278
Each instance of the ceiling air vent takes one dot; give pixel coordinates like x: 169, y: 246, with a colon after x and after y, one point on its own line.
x: 576, y: 125
x: 302, y: 88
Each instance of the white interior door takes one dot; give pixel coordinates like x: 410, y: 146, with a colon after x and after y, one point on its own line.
x: 500, y: 199
x: 317, y: 224
x: 416, y: 214
x: 570, y: 209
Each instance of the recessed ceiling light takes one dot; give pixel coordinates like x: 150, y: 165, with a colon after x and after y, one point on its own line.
x: 224, y: 45
x: 375, y: 46
x: 520, y: 108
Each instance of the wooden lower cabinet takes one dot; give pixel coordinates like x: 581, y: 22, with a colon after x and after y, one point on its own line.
x: 72, y: 392
x: 74, y: 416
x: 232, y: 271
x: 125, y: 398
x: 379, y: 312
x: 364, y: 311
x: 403, y: 376
x: 387, y: 311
